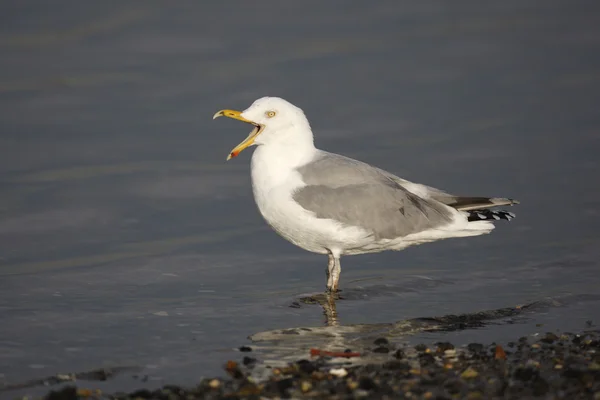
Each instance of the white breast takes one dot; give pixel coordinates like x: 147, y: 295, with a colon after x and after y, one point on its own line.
x: 274, y: 180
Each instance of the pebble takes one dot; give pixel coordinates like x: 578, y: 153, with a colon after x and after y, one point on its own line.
x: 475, y: 347
x: 442, y: 347
x: 339, y: 372
x: 352, y: 385
x: 249, y: 361
x: 450, y: 353
x: 469, y: 373
x: 399, y: 354
x: 305, y: 386
x: 549, y: 338
x: 566, y: 368
x: 499, y: 353
x: 381, y: 349
x: 421, y: 347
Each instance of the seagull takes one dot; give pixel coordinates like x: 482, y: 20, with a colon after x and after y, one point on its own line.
x: 329, y: 204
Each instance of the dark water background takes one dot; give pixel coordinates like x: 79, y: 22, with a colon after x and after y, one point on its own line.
x: 126, y: 239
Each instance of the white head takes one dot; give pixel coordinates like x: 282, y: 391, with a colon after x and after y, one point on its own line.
x: 276, y: 122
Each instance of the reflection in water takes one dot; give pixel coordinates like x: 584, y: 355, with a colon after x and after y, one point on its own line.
x: 338, y: 344
x: 327, y: 301
x: 290, y: 344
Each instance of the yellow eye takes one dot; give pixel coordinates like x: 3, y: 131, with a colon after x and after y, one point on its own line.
x: 270, y: 114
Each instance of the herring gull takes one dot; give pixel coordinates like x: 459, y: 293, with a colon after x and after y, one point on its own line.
x: 330, y: 204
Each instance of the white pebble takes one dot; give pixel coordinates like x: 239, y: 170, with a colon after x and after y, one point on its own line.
x: 339, y: 372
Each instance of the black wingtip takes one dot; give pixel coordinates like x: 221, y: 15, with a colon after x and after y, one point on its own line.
x: 489, y: 215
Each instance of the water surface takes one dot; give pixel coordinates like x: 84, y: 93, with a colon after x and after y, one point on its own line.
x: 127, y: 240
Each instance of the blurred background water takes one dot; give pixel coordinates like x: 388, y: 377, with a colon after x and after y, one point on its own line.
x: 126, y: 239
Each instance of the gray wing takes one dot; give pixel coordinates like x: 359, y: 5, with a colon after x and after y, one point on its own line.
x: 334, y: 170
x: 357, y: 194
x: 385, y: 211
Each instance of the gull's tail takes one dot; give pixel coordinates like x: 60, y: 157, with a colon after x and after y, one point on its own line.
x: 478, y: 208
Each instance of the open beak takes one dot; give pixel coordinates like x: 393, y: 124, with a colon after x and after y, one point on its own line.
x: 258, y: 128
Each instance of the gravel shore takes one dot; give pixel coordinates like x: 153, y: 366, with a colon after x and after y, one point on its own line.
x: 551, y: 366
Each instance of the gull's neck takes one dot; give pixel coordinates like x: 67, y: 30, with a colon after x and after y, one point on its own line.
x: 291, y: 150
x: 273, y: 162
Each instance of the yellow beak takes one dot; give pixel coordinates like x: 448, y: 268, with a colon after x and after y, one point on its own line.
x: 258, y: 128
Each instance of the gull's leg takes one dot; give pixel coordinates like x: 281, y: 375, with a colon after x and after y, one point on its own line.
x: 335, y: 274
x: 329, y: 271
x: 334, y: 269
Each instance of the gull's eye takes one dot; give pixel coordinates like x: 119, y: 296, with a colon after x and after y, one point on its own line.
x: 270, y: 114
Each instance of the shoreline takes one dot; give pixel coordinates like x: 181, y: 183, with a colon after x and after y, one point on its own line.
x: 562, y: 366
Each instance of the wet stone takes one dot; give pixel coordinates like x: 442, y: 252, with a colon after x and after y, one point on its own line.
x: 525, y: 373
x: 367, y: 383
x: 381, y: 342
x: 593, y: 344
x: 454, y: 386
x: 426, y: 359
x: 248, y: 361
x: 549, y: 338
x: 475, y: 347
x: 233, y: 370
x: 573, y: 373
x: 421, y: 347
x: 399, y: 354
x: 540, y: 387
x: 245, y: 349
x: 305, y: 386
x: 67, y: 393
x: 214, y: 383
x: 381, y: 350
x: 306, y: 366
x: 284, y: 385
x: 397, y: 365
x: 142, y: 394
x: 469, y: 373
x: 443, y: 346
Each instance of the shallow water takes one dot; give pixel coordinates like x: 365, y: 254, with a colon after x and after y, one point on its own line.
x: 127, y: 240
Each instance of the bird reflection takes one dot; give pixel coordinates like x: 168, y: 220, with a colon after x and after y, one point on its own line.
x: 329, y: 309
x: 327, y: 301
